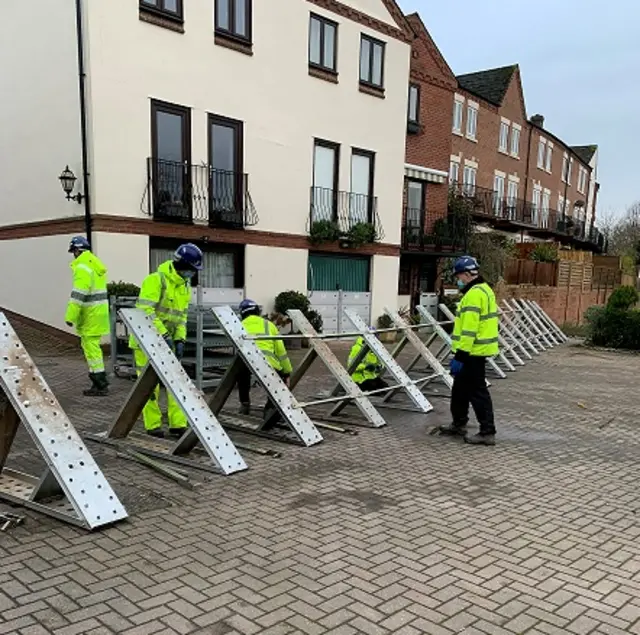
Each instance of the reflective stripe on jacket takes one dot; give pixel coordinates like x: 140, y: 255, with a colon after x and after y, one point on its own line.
x: 368, y: 368
x: 165, y: 296
x: 88, y: 308
x: 475, y: 330
x: 273, y: 350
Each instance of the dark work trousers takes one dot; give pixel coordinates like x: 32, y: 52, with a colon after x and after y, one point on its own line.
x: 244, y: 389
x: 373, y: 384
x: 470, y: 387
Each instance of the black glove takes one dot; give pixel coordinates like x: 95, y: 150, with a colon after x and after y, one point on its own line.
x: 179, y: 347
x: 371, y: 368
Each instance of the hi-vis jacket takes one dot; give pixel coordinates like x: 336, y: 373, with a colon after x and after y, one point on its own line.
x: 88, y: 308
x: 368, y: 368
x: 273, y: 350
x: 165, y: 296
x: 475, y: 331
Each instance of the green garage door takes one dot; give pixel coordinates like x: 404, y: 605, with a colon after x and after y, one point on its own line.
x: 348, y: 273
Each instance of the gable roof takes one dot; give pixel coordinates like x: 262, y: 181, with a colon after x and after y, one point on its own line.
x: 421, y: 32
x: 490, y: 85
x: 585, y: 152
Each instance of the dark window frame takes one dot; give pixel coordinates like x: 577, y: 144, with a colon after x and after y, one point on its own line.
x: 231, y: 32
x: 423, y: 202
x: 372, y: 42
x: 161, y: 10
x: 325, y: 143
x: 158, y: 106
x: 372, y: 173
x: 324, y: 22
x: 238, y: 129
x: 414, y: 88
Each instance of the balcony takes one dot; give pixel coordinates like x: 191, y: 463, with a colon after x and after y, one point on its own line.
x: 183, y: 193
x: 348, y: 217
x: 432, y: 235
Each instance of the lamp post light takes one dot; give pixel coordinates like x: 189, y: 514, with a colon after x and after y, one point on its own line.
x: 68, y: 180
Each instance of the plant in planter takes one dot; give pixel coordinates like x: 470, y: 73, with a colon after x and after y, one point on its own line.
x: 544, y: 252
x: 323, y: 231
x: 361, y: 234
x: 385, y: 322
x: 122, y: 289
x: 288, y: 300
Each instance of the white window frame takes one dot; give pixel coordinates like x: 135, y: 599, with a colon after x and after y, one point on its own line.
x: 503, y: 136
x: 458, y: 115
x: 565, y: 163
x: 514, y: 149
x: 545, y: 205
x: 569, y: 170
x: 582, y: 179
x: 498, y: 192
x: 536, y: 203
x: 513, y: 186
x: 469, y: 184
x: 542, y: 149
x: 454, y: 170
x: 548, y: 163
x: 472, y: 120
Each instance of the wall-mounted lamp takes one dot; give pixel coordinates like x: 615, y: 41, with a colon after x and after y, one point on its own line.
x: 68, y: 180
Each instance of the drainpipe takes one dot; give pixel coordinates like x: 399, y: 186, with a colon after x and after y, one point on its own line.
x: 83, y: 120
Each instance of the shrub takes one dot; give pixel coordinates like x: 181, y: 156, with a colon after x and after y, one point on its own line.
x: 361, y: 233
x: 288, y: 300
x: 623, y: 298
x: 614, y: 328
x: 323, y: 231
x: 544, y: 252
x: 122, y: 289
x: 384, y: 321
x: 315, y: 319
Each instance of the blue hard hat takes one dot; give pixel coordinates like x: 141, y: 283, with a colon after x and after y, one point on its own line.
x: 190, y: 255
x: 80, y: 243
x: 465, y: 264
x: 247, y: 306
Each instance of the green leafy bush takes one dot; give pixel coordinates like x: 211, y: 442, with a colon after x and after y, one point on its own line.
x: 361, y: 234
x: 623, y: 298
x: 544, y: 252
x: 613, y: 327
x: 323, y: 231
x: 315, y: 319
x: 122, y: 289
x: 384, y: 321
x: 288, y: 300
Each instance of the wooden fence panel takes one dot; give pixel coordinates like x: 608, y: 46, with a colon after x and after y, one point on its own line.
x: 531, y: 272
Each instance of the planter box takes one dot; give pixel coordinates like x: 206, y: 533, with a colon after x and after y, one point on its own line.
x: 389, y: 337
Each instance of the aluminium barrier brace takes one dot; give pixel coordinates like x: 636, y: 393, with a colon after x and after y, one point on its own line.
x: 163, y: 366
x: 72, y: 487
x: 522, y: 335
x: 560, y: 335
x: 550, y: 332
x: 541, y: 328
x: 545, y: 341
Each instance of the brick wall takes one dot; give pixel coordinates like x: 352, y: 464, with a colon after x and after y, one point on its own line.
x: 564, y: 306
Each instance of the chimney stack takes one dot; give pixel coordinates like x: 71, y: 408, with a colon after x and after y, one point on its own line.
x: 538, y: 120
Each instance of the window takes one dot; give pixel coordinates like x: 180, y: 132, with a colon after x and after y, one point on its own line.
x: 414, y: 104
x: 167, y: 8
x: 565, y: 163
x: 535, y: 206
x: 415, y: 204
x: 226, y: 181
x: 472, y: 122
x: 362, y: 178
x: 504, y: 136
x: 560, y: 204
x: 469, y: 180
x: 541, y: 153
x: 544, y: 215
x: 233, y: 19
x: 582, y: 179
x: 512, y: 198
x: 547, y: 166
x: 498, y: 193
x: 326, y: 159
x: 170, y: 161
x: 454, y: 172
x: 457, y: 116
x: 371, y: 62
x: 322, y: 43
x: 515, y: 141
x: 569, y: 170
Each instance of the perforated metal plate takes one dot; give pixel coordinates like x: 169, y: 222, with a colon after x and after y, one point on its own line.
x: 286, y: 403
x: 203, y: 422
x: 393, y: 368
x: 93, y: 502
x: 545, y: 316
x: 341, y: 375
x: 421, y: 349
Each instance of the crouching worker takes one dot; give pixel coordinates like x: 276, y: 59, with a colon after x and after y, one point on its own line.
x: 88, y: 311
x: 367, y: 373
x: 165, y: 296
x: 273, y: 350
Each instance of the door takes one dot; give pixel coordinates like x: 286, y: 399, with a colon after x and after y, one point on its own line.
x: 414, y: 213
x: 512, y: 199
x: 325, y: 181
x: 170, y: 162
x: 361, y: 197
x: 498, y: 194
x: 226, y: 191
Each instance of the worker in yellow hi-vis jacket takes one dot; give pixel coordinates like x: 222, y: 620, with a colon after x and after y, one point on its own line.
x: 88, y: 311
x: 165, y: 296
x: 474, y: 339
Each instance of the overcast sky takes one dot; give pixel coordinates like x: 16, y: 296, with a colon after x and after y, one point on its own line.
x: 580, y: 65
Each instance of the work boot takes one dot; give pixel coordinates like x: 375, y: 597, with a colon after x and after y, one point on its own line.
x: 452, y: 430
x: 158, y: 433
x: 481, y: 439
x: 245, y: 408
x: 177, y: 432
x: 99, y: 388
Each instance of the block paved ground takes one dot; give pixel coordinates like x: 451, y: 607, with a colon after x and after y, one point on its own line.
x: 390, y: 531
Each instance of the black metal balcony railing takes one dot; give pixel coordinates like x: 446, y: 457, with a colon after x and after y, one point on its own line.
x: 346, y: 212
x: 184, y: 193
x: 423, y: 232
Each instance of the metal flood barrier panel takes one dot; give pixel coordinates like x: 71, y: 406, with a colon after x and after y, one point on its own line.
x: 72, y: 487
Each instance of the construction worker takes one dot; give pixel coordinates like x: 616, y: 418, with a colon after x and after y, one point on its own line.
x: 367, y: 373
x: 475, y: 337
x: 88, y: 311
x: 273, y: 350
x: 165, y: 296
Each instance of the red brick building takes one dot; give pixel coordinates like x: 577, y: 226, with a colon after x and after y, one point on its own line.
x: 425, y: 236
